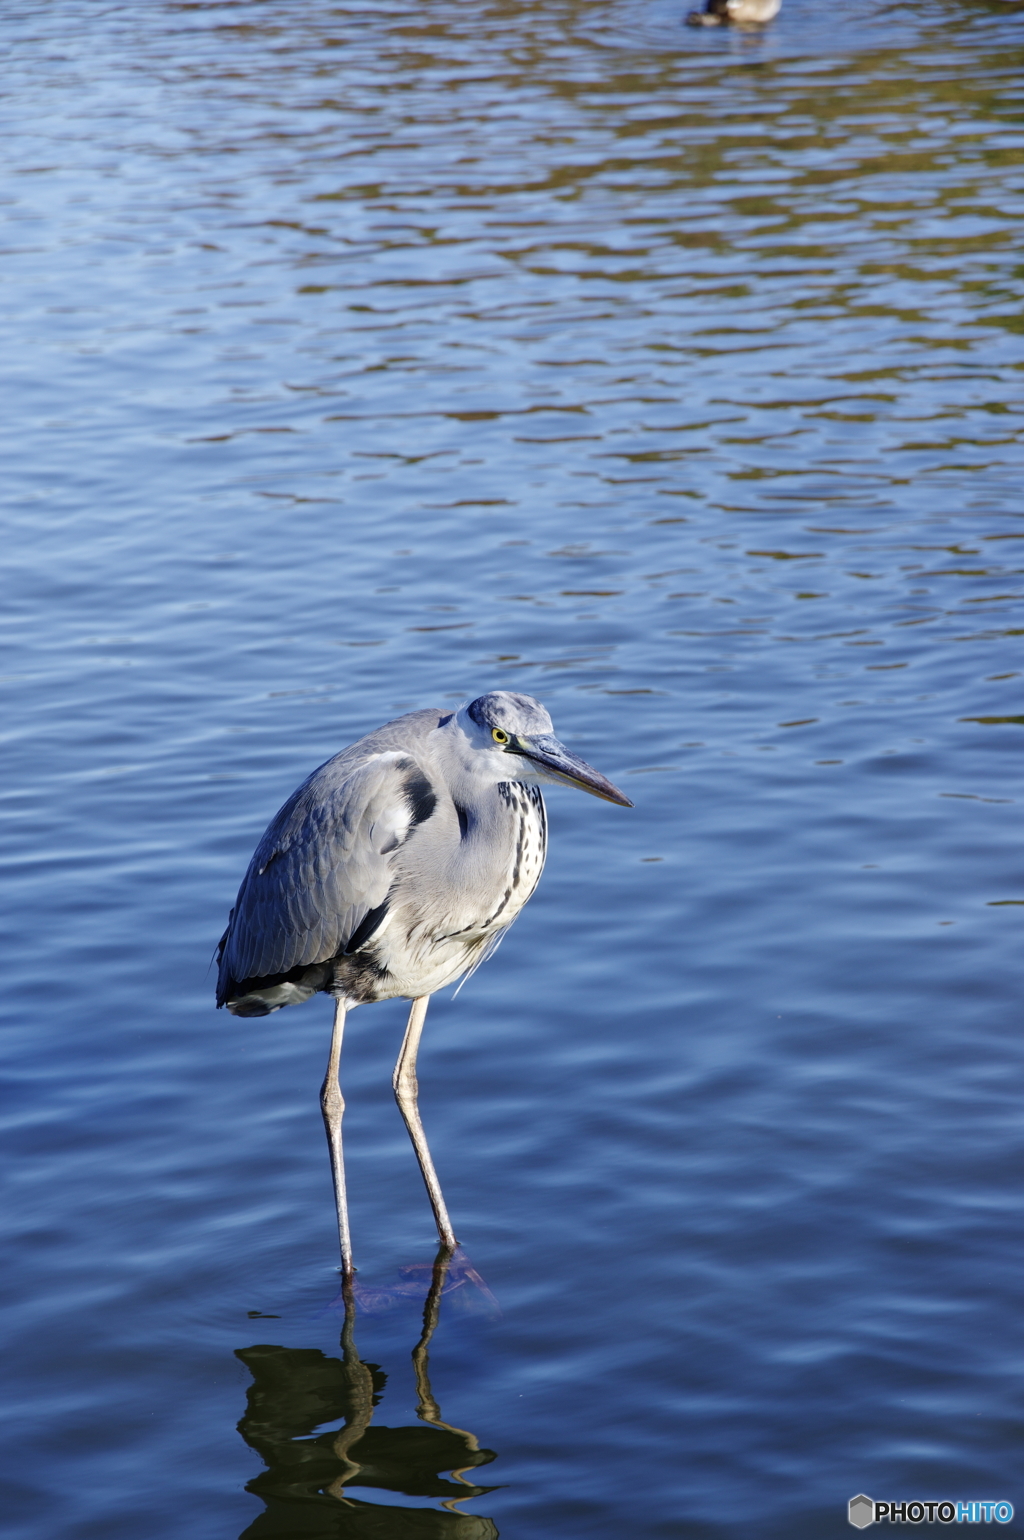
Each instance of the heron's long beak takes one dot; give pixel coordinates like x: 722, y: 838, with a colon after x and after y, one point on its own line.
x: 561, y: 764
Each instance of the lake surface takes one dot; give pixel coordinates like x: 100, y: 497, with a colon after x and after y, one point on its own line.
x: 365, y: 358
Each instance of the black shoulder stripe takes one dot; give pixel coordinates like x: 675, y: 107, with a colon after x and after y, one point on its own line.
x: 366, y: 929
x: 420, y: 796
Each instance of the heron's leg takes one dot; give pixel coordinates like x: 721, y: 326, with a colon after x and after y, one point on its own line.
x: 406, y: 1093
x: 332, y: 1104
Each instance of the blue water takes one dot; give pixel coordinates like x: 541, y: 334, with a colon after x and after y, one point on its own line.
x: 360, y: 359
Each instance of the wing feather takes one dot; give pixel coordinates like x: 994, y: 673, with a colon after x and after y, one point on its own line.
x: 322, y: 866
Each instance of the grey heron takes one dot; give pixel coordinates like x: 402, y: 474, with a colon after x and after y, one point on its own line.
x: 392, y: 871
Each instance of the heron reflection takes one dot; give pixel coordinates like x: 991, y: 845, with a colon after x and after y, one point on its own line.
x: 307, y: 1484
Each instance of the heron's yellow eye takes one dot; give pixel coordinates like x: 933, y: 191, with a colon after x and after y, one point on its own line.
x: 499, y: 735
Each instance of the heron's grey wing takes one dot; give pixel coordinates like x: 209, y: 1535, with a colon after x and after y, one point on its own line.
x: 320, y: 876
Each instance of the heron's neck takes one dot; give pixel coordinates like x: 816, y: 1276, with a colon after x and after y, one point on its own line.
x: 470, y: 777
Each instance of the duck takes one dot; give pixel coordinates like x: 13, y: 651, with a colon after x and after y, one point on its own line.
x: 737, y: 13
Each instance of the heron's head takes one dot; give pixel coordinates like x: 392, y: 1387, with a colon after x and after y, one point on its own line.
x: 515, y: 739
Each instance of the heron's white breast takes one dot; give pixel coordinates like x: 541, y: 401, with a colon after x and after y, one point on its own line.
x: 461, y: 883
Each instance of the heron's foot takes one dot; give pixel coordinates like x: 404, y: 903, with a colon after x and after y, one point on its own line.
x: 462, y: 1286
